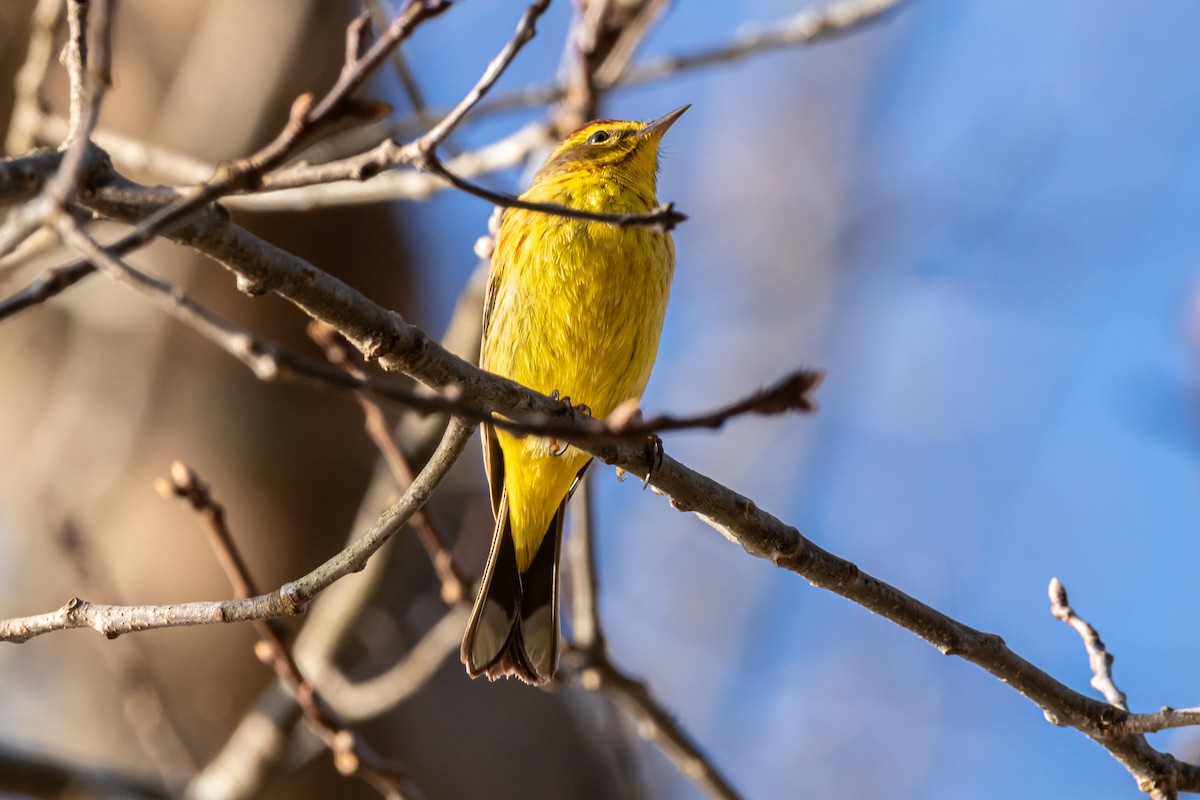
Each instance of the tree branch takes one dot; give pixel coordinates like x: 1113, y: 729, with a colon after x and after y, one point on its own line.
x: 351, y: 753
x: 588, y: 663
x: 288, y: 600
x: 805, y: 28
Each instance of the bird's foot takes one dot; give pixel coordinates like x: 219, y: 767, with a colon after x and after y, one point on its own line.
x: 557, y: 447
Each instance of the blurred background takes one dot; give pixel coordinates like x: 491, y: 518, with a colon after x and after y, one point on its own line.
x: 979, y: 218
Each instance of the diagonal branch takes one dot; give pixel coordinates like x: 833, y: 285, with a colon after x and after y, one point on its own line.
x: 807, y: 27
x: 289, y: 599
x: 588, y: 662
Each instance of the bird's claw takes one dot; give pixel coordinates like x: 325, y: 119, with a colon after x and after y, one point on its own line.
x: 557, y: 448
x: 654, y: 454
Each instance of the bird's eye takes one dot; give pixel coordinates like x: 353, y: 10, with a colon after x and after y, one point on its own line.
x: 599, y: 137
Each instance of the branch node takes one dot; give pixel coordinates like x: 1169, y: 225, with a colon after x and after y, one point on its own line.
x: 251, y: 287
x: 345, y: 756
x: 298, y: 114
x: 290, y: 601
x: 1053, y: 718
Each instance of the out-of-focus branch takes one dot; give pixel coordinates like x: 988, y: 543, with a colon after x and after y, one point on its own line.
x: 133, y: 156
x: 306, y: 118
x: 455, y: 585
x: 28, y: 110
x: 252, y: 751
x: 588, y: 662
x: 142, y: 700
x: 343, y: 182
x: 805, y: 28
x: 351, y: 754
x: 30, y: 775
x: 257, y: 745
x: 587, y: 630
x: 366, y: 699
x: 604, y: 36
x: 89, y: 69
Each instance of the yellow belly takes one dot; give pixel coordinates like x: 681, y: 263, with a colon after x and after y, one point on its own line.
x: 577, y: 308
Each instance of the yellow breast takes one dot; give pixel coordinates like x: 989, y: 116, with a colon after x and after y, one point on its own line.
x: 576, y: 307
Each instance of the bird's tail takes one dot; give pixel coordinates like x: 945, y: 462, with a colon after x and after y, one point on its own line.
x: 513, y: 628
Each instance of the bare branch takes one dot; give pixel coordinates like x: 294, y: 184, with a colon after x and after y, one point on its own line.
x: 603, y: 38
x: 307, y: 117
x: 28, y: 110
x: 29, y: 775
x: 288, y: 600
x: 89, y: 81
x: 367, y: 699
x: 268, y: 361
x: 351, y: 754
x: 525, y: 31
x: 142, y: 703
x: 455, y: 585
x: 656, y: 724
x: 588, y: 662
x: 1161, y: 720
x: 802, y: 29
x: 664, y: 217
x: 369, y: 178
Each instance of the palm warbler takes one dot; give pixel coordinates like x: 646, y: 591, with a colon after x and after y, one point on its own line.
x: 574, y: 307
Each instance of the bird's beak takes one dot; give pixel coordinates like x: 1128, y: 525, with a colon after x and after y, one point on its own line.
x: 657, y: 128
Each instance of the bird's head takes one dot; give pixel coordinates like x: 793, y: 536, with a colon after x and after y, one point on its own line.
x: 610, y: 149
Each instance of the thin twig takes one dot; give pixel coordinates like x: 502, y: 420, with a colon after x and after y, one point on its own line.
x: 589, y: 663
x: 290, y: 599
x: 368, y: 698
x: 525, y: 31
x: 655, y: 724
x: 369, y: 177
x: 143, y: 703
x: 665, y: 217
x: 1099, y: 658
x: 89, y: 69
x: 455, y: 585
x: 803, y: 29
x: 306, y: 118
x: 28, y: 109
x: 351, y: 753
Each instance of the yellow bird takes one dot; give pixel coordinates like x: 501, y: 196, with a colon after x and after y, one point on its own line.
x: 576, y: 308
